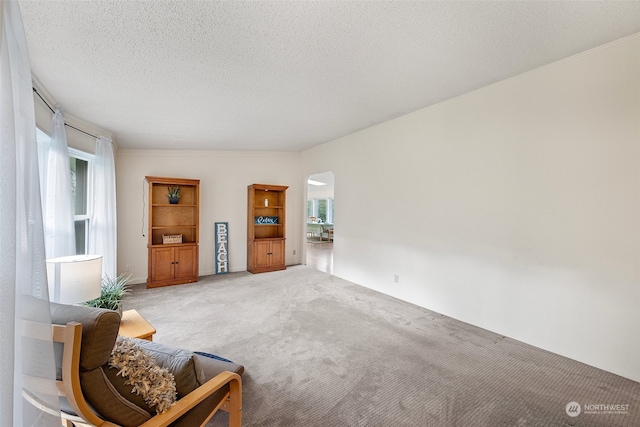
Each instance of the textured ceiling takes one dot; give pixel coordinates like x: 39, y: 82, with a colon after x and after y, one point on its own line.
x: 285, y: 75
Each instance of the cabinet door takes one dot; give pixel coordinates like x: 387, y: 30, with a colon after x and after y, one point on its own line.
x: 185, y: 261
x: 161, y: 264
x: 261, y: 257
x: 277, y: 254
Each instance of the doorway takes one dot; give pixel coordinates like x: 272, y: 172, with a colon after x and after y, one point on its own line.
x: 320, y: 221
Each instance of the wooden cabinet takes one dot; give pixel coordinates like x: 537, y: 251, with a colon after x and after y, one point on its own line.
x: 176, y: 262
x: 268, y: 255
x: 173, y: 263
x: 266, y: 224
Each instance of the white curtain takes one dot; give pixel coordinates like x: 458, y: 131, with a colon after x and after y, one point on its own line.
x: 103, y: 231
x: 23, y: 285
x: 57, y: 199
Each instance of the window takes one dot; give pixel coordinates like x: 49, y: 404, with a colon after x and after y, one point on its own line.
x: 81, y: 167
x: 81, y: 174
x: 329, y: 210
x: 322, y: 209
x: 312, y: 210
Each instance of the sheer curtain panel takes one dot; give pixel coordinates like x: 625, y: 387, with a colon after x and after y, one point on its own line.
x: 28, y: 395
x: 57, y: 198
x: 103, y: 232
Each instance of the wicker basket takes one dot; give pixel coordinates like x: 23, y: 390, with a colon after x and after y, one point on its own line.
x: 171, y: 238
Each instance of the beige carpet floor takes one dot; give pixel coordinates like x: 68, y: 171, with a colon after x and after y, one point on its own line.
x: 321, y: 351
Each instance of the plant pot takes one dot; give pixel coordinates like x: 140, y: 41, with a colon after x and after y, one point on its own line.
x: 173, y: 200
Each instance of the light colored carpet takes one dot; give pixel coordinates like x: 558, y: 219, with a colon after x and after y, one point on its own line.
x: 321, y: 351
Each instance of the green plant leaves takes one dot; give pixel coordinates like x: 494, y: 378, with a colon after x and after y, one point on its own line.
x: 113, y: 291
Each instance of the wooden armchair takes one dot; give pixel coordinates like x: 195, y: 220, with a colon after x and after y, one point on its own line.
x: 89, y: 390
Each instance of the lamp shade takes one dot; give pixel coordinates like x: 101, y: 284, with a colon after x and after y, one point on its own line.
x: 74, y: 279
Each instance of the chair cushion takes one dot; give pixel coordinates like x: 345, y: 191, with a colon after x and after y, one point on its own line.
x: 181, y: 363
x: 99, y: 332
x: 143, y: 375
x: 190, y: 371
x: 210, y: 367
x: 110, y: 403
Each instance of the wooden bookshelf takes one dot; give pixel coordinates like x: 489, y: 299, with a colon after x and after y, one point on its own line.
x: 173, y: 263
x: 266, y: 225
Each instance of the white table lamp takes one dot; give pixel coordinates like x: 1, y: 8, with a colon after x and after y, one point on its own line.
x: 74, y: 279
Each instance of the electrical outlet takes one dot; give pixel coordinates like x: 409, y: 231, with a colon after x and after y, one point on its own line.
x: 294, y: 251
x: 396, y: 279
x: 128, y: 267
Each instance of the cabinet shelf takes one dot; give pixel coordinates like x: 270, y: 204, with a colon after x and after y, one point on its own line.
x: 165, y: 245
x: 169, y: 205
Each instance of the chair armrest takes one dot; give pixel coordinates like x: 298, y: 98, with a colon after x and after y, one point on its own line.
x: 189, y: 401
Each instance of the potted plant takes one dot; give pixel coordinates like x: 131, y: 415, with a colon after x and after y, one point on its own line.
x: 112, y: 293
x: 174, y: 194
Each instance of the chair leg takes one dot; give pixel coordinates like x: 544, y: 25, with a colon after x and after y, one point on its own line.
x: 235, y: 418
x: 235, y: 404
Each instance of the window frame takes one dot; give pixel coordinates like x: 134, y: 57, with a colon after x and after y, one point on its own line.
x: 88, y: 216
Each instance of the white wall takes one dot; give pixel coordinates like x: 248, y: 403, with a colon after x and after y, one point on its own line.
x: 75, y: 139
x: 515, y: 208
x: 224, y: 177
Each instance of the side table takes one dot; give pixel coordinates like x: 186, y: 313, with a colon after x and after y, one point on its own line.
x: 133, y: 325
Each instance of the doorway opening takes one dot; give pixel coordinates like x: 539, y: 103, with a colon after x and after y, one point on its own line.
x: 320, y: 221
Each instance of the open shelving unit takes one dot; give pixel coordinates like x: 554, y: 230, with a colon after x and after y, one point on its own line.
x: 177, y: 262
x: 266, y: 225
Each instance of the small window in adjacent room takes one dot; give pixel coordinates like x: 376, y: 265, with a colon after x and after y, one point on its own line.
x: 321, y: 210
